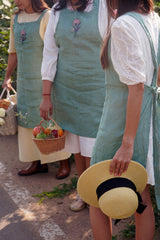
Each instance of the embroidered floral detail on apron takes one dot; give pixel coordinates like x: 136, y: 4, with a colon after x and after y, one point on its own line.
x: 23, y: 36
x: 76, y: 26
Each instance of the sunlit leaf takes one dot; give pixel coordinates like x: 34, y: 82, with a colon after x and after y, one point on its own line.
x: 7, y: 3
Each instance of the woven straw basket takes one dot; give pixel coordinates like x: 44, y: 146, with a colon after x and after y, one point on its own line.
x: 10, y: 126
x: 47, y: 146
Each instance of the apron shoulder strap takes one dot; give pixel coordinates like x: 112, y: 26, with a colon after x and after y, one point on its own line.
x: 15, y: 18
x: 42, y: 14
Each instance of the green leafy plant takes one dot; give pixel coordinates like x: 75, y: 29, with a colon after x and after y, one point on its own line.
x: 59, y: 191
x: 115, y: 237
x: 157, y: 6
x: 6, y: 10
x: 128, y: 232
x: 156, y: 211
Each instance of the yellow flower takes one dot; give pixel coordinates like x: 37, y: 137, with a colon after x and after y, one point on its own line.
x: 2, y: 112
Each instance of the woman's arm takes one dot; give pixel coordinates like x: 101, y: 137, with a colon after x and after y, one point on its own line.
x: 12, y: 64
x: 126, y: 36
x: 12, y: 58
x: 49, y: 66
x: 124, y: 154
x: 46, y: 107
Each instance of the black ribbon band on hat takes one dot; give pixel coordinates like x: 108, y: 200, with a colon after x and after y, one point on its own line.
x: 114, y: 183
x: 120, y: 182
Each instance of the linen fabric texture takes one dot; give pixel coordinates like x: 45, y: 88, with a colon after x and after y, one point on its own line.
x: 24, y: 17
x: 109, y: 138
x: 29, y: 49
x: 74, y: 143
x: 79, y: 86
x: 34, y: 26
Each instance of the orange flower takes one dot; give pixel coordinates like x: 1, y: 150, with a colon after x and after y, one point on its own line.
x: 47, y: 131
x: 37, y: 130
x: 60, y: 131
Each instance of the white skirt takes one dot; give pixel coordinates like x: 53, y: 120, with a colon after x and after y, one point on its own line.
x: 28, y: 151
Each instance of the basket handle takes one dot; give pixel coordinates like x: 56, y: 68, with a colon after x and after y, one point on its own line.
x: 50, y: 119
x: 3, y: 91
x: 8, y: 92
x: 13, y: 90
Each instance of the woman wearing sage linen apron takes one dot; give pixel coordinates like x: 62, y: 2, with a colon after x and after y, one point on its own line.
x: 26, y: 47
x: 129, y: 127
x: 71, y: 59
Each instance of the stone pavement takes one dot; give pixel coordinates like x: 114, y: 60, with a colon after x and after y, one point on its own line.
x: 22, y: 215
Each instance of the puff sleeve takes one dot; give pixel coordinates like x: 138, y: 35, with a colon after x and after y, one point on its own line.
x: 126, y: 51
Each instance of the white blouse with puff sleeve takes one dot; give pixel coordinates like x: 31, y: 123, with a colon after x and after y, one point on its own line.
x: 130, y: 48
x: 132, y: 60
x: 50, y: 53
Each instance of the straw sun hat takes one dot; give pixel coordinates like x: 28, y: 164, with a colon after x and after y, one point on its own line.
x: 117, y: 197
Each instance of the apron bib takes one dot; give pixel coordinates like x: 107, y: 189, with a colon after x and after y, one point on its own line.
x: 29, y: 49
x: 79, y: 87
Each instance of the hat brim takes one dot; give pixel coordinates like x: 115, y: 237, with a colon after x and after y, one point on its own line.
x: 98, y: 173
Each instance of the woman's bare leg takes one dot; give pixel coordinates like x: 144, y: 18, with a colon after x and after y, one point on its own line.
x: 145, y: 222
x: 80, y: 163
x: 78, y: 204
x: 87, y: 161
x: 101, y: 224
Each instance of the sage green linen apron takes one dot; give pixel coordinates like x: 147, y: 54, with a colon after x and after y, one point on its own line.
x: 111, y: 129
x: 79, y: 86
x: 29, y: 49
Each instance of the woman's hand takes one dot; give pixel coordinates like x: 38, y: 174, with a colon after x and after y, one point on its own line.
x: 121, y: 159
x: 46, y: 107
x: 12, y: 63
x: 7, y: 84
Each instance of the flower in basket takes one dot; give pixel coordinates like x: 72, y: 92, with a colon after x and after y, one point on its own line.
x: 47, y: 133
x: 54, y: 133
x: 2, y: 112
x: 2, y: 121
x: 37, y: 130
x: 2, y: 115
x: 48, y: 137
